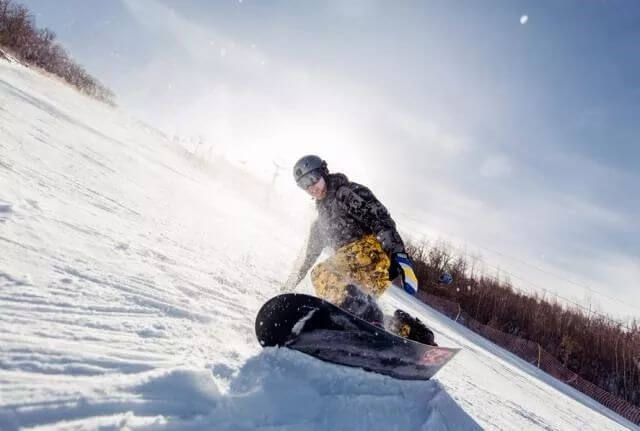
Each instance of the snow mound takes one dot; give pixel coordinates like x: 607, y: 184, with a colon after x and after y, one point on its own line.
x: 283, y: 388
x: 277, y: 389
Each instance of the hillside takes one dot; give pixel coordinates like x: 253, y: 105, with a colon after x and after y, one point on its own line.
x: 130, y: 276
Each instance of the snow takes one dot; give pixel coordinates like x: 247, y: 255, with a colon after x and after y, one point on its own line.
x: 130, y: 275
x: 299, y: 326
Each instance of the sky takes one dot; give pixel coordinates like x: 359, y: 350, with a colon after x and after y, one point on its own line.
x: 506, y: 128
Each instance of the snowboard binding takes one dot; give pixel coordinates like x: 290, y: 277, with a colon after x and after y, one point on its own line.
x: 362, y: 305
x: 412, y: 328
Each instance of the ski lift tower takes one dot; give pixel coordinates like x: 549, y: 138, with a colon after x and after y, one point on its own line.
x: 276, y: 173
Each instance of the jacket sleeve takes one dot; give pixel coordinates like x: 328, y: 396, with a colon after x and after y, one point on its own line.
x: 361, y: 204
x: 314, y: 248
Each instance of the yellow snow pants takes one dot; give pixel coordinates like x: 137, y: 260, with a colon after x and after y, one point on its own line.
x: 362, y: 262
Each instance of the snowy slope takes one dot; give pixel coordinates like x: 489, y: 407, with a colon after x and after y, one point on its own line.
x: 130, y: 276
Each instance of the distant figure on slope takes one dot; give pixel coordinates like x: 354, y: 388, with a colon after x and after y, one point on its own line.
x: 369, y: 252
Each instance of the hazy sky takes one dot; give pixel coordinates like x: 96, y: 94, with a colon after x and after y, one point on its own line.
x: 512, y: 137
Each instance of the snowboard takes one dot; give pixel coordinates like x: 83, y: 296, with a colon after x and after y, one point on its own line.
x: 320, y: 329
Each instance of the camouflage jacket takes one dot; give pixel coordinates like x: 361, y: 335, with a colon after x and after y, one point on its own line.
x: 347, y: 213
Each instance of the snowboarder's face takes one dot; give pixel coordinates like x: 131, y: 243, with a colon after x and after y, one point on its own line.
x: 318, y: 190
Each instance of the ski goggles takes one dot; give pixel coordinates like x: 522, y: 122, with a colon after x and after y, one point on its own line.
x: 309, y: 179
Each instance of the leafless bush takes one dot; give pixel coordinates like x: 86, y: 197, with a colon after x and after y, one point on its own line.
x: 37, y: 47
x: 597, y: 348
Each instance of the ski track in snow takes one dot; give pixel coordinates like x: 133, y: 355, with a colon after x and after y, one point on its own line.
x: 130, y: 277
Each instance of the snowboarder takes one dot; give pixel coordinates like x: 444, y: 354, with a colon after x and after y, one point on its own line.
x: 369, y: 252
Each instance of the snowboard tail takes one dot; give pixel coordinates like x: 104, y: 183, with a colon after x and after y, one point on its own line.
x: 320, y: 329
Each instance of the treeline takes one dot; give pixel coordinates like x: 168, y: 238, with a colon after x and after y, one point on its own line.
x: 37, y: 47
x: 597, y: 348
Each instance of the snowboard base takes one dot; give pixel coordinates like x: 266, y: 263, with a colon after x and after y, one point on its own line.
x: 322, y: 330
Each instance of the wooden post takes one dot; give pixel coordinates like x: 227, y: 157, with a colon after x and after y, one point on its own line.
x: 539, y: 354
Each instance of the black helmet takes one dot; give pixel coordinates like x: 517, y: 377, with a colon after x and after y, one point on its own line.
x: 308, y: 170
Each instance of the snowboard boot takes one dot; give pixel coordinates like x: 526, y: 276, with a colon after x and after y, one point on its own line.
x: 411, y: 328
x: 362, y: 305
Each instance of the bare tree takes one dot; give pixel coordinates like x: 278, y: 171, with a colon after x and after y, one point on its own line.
x: 592, y: 345
x: 37, y: 47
